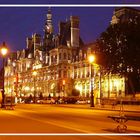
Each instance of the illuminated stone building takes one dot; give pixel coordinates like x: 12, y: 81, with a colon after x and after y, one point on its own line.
x: 61, y: 65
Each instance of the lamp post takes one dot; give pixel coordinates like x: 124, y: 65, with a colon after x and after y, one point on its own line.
x: 3, y: 51
x: 34, y: 75
x: 100, y: 84
x: 64, y: 82
x: 91, y: 60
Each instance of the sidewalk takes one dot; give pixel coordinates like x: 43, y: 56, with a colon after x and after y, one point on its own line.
x: 127, y: 108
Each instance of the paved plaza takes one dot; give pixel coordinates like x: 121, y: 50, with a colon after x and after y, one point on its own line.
x: 64, y: 119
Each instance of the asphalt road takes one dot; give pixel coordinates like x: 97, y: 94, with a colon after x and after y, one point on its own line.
x: 53, y: 120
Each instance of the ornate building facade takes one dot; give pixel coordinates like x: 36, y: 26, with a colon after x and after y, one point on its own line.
x: 125, y: 14
x: 61, y: 65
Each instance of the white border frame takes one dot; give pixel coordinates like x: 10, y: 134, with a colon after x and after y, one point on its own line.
x: 69, y: 5
x: 69, y: 134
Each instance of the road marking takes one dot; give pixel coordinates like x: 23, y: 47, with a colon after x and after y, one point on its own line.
x: 58, y: 124
x: 55, y: 123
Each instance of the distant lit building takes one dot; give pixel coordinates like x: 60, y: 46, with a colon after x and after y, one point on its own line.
x: 61, y: 65
x: 124, y: 14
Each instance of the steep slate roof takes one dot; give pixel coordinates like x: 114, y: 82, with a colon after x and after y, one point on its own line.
x: 65, y: 33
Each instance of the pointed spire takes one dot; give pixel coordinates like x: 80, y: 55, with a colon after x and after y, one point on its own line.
x: 49, y: 10
x: 48, y: 29
x: 48, y: 23
x: 49, y: 14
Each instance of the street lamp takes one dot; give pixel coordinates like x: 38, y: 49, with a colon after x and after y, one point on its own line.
x: 34, y: 75
x: 3, y: 51
x: 91, y: 59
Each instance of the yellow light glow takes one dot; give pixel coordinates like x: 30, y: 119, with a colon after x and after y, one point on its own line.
x: 34, y: 73
x: 27, y: 88
x: 14, y: 79
x: 64, y: 82
x: 116, y: 82
x: 91, y: 58
x: 111, y: 85
x: 4, y: 51
x: 32, y: 89
x: 52, y: 86
x: 79, y: 87
x: 22, y: 95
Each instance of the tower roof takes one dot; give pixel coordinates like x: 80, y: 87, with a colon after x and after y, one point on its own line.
x: 49, y: 10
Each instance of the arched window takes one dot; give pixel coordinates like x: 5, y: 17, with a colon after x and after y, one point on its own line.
x: 55, y: 58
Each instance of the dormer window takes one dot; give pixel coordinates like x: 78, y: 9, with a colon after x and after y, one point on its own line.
x: 14, y: 64
x: 29, y: 55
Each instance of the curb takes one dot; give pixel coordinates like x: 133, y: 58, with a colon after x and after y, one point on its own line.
x: 96, y: 108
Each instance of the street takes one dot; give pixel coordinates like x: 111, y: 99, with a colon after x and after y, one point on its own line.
x: 55, y: 119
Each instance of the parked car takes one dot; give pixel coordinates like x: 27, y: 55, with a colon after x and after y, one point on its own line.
x: 39, y: 101
x: 59, y: 101
x: 28, y: 101
x: 81, y: 101
x: 47, y: 101
x: 70, y: 100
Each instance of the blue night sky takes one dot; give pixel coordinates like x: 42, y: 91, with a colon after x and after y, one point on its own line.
x: 19, y: 23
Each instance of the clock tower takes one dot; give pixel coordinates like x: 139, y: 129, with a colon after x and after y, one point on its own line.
x: 48, y: 23
x: 48, y: 36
